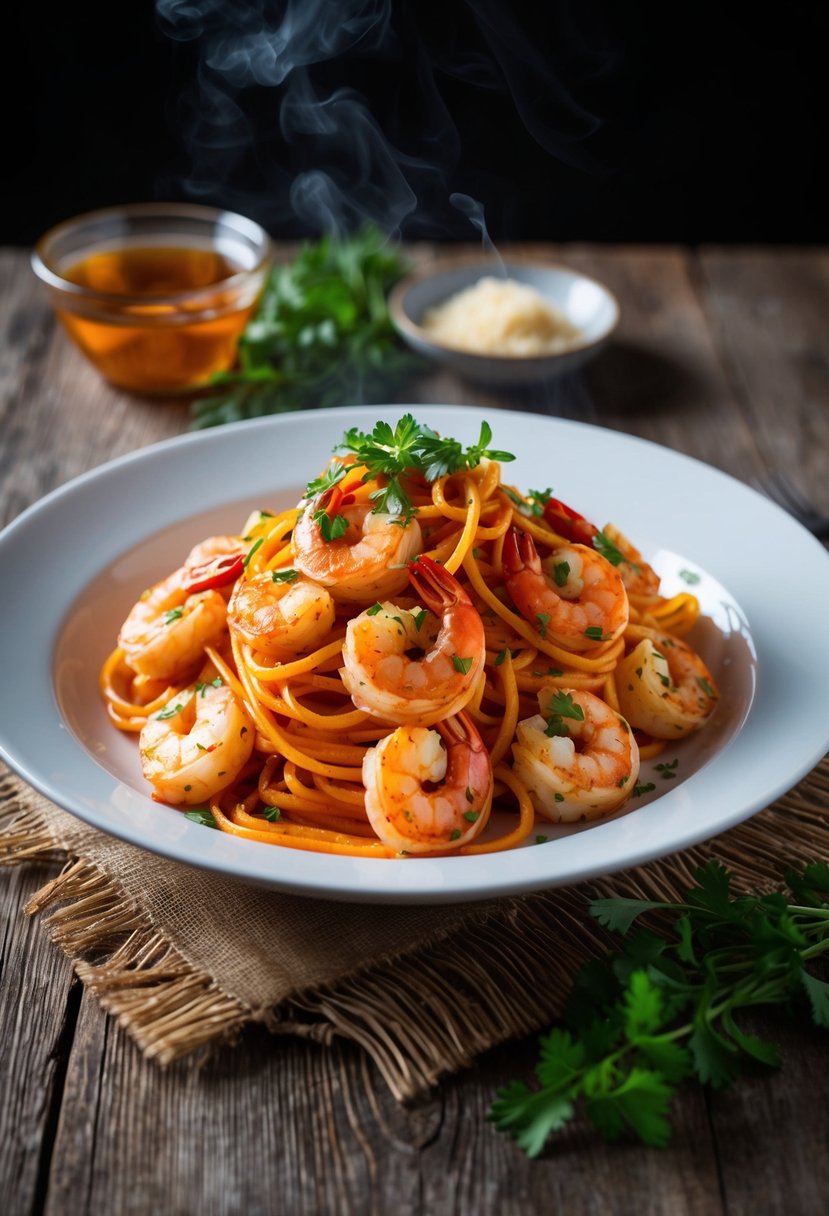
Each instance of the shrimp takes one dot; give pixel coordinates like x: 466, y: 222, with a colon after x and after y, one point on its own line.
x: 367, y: 562
x: 196, y: 745
x: 384, y: 680
x: 405, y: 811
x: 575, y: 597
x: 578, y: 757
x: 664, y: 688
x: 165, y: 633
x: 281, y: 617
x: 639, y: 578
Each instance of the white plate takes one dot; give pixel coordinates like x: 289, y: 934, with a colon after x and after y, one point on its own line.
x: 74, y: 563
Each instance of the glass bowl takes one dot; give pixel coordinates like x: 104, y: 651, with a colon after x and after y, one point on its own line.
x: 156, y: 295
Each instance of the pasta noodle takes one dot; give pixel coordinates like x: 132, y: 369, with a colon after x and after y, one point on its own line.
x: 370, y: 672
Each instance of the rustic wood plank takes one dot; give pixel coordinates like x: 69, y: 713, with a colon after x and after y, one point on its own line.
x: 768, y: 310
x: 661, y: 376
x: 772, y: 1128
x: 318, y: 1128
x: 37, y: 1015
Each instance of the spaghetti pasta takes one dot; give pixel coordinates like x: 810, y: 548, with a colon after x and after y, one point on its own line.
x: 413, y: 647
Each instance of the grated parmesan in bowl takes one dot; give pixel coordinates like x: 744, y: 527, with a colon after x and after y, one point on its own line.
x: 517, y: 323
x: 501, y: 317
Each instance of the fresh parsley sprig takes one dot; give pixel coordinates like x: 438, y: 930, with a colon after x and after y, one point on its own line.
x: 390, y: 452
x: 666, y: 1006
x: 321, y: 335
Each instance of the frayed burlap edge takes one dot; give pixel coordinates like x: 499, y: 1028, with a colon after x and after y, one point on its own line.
x: 419, y: 1016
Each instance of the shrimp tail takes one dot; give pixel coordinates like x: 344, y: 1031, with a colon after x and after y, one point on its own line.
x: 460, y: 730
x: 520, y: 553
x: 437, y: 588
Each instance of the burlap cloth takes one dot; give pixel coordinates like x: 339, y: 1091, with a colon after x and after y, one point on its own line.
x: 184, y: 959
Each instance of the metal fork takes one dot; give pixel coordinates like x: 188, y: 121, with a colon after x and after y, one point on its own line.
x: 779, y: 487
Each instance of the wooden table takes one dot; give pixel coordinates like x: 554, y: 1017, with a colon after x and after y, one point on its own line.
x: 720, y: 354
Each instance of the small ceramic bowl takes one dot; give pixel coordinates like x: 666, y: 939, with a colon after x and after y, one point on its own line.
x: 156, y: 295
x: 588, y: 306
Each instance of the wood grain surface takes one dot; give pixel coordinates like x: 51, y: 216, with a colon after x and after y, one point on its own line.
x: 721, y: 354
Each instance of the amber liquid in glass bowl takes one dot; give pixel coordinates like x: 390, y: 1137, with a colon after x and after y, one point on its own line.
x: 161, y: 345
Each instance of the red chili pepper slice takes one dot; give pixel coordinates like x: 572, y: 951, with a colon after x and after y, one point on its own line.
x: 218, y: 572
x: 568, y: 522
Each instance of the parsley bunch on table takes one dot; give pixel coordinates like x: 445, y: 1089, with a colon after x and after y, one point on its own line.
x: 321, y: 335
x: 667, y: 1005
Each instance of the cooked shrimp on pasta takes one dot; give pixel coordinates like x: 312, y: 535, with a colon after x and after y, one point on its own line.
x: 416, y: 659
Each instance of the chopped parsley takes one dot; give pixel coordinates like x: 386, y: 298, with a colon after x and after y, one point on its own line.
x: 173, y: 614
x: 201, y: 815
x: 330, y: 529
x: 543, y: 619
x: 690, y: 577
x: 539, y: 499
x: 561, y: 571
x: 272, y: 813
x: 595, y: 633
x: 462, y: 665
x: 561, y: 706
x: 606, y: 548
x: 643, y: 788
x: 284, y: 576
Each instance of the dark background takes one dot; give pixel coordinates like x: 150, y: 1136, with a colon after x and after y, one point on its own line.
x: 567, y: 121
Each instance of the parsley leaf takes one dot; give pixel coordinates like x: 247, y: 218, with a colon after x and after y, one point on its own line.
x: 611, y: 552
x: 560, y: 706
x: 388, y: 452
x: 330, y: 529
x: 665, y: 1005
x: 321, y: 335
x: 201, y: 815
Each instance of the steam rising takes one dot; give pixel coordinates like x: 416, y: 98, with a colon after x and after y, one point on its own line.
x: 278, y: 119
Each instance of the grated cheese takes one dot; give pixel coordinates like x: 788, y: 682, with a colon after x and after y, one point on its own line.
x: 501, y: 317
